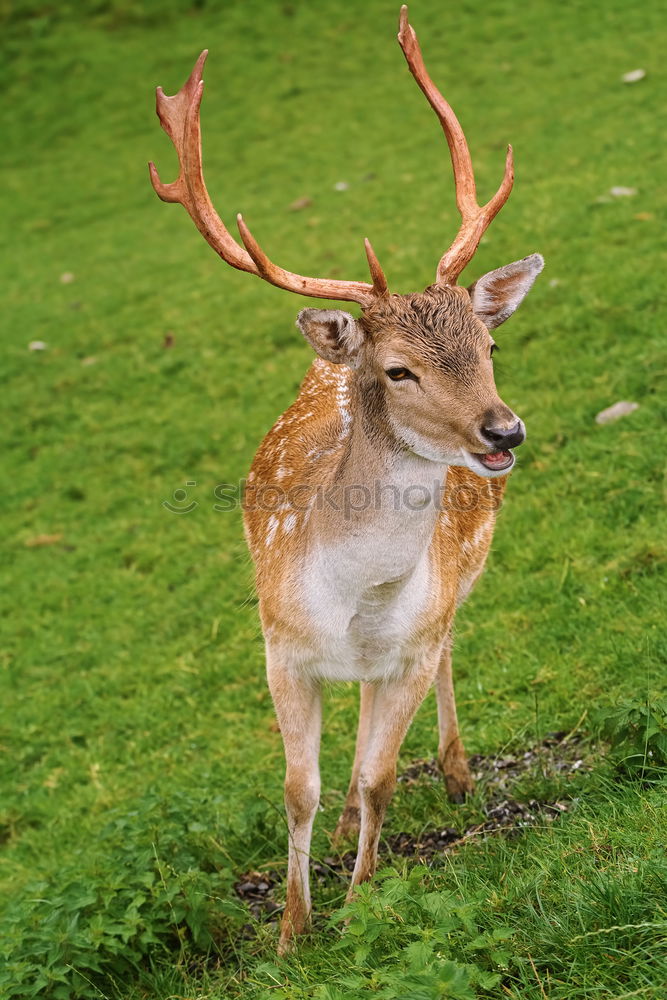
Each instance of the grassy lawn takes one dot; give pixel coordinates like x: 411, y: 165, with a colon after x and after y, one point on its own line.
x: 141, y: 769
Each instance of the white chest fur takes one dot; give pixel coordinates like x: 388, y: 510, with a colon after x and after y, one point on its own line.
x: 365, y: 594
x: 361, y: 624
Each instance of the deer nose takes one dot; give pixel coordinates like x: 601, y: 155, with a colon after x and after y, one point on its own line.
x: 505, y: 437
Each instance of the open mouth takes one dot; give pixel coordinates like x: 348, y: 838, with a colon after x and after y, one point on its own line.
x: 497, y: 461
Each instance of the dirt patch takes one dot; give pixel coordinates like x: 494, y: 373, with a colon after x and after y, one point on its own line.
x: 507, y: 816
x: 256, y: 889
x: 557, y: 756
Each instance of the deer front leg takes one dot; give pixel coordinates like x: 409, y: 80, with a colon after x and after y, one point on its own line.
x: 299, y: 710
x: 350, y: 818
x: 451, y: 754
x: 393, y: 709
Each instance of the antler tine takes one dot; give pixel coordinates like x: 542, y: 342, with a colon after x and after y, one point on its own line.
x: 380, y: 286
x: 475, y: 219
x: 318, y: 288
x: 179, y: 117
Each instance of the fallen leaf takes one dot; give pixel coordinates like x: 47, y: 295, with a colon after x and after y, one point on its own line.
x: 37, y: 345
x: 622, y: 192
x: 300, y: 204
x: 66, y: 278
x: 37, y: 540
x: 169, y: 339
x: 620, y: 409
x: 341, y: 186
x: 644, y: 216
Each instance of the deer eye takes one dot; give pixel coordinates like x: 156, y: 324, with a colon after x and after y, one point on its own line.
x: 400, y: 374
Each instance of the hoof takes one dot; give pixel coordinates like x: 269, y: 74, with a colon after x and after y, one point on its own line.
x: 285, y: 945
x: 348, y: 824
x: 295, y: 921
x: 458, y: 780
x: 459, y: 787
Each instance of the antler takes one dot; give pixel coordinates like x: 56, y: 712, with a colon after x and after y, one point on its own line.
x: 475, y: 219
x: 179, y: 117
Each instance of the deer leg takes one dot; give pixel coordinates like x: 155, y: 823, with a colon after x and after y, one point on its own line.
x: 451, y: 754
x: 299, y: 710
x: 350, y: 818
x: 394, y: 706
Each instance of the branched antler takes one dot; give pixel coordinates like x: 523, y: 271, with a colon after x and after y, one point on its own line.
x: 475, y: 219
x: 179, y: 116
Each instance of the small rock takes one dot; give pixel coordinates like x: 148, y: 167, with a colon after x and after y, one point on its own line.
x: 634, y: 76
x: 66, y: 278
x: 341, y: 186
x: 622, y: 192
x: 37, y: 345
x: 300, y: 204
x: 505, y: 762
x: 244, y: 887
x: 620, y: 409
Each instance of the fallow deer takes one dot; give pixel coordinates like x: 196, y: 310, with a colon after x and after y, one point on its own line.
x: 362, y: 563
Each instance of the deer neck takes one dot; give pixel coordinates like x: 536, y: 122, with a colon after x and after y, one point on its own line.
x: 381, y: 509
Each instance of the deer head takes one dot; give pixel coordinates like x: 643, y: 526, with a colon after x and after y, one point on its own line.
x: 423, y: 361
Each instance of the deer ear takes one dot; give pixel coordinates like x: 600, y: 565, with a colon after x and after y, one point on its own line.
x: 496, y: 295
x: 333, y: 334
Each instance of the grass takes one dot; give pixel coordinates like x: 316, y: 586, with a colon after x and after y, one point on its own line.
x: 141, y: 770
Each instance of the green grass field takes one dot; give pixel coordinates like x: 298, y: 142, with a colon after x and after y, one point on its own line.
x: 141, y: 770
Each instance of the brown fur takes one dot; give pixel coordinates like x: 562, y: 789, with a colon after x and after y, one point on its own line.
x: 339, y: 433
x: 370, y: 588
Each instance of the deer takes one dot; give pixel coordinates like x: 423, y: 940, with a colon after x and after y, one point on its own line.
x: 367, y: 548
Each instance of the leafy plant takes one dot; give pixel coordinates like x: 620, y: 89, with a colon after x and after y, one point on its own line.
x: 405, y: 939
x: 637, y: 731
x: 130, y: 652
x: 150, y: 886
